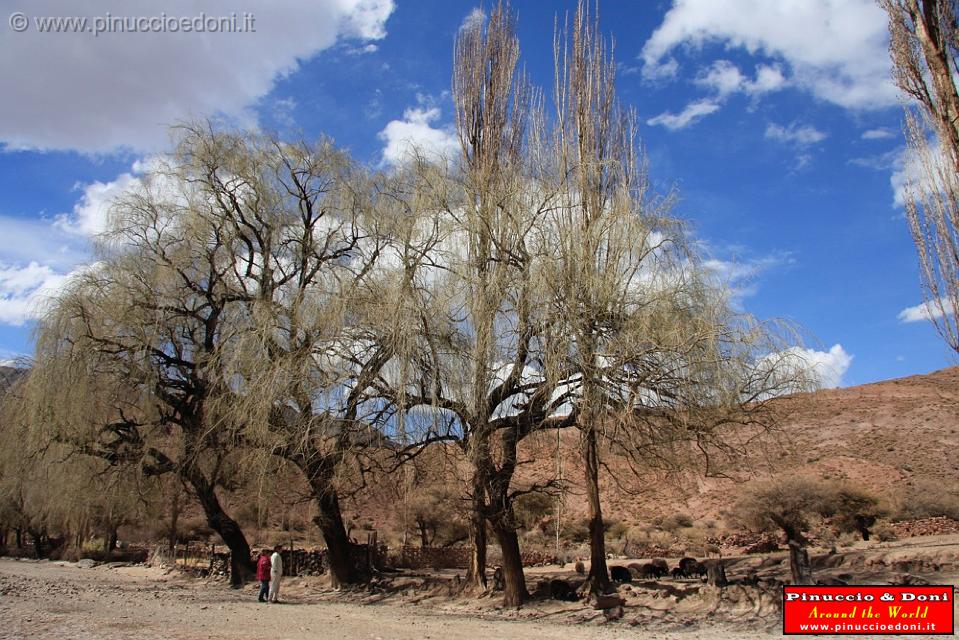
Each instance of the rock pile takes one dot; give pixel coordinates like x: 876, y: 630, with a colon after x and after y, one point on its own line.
x: 304, y: 563
x: 453, y: 558
x: 746, y: 541
x: 430, y: 557
x: 938, y: 526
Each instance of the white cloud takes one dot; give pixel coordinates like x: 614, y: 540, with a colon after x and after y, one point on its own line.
x: 693, y: 112
x: 926, y: 311
x: 23, y: 291
x: 825, y: 368
x: 37, y: 257
x: 768, y: 78
x: 834, y: 49
x: 725, y: 78
x: 98, y: 94
x: 802, y: 136
x: 90, y: 214
x: 473, y: 19
x: 880, y: 162
x: 877, y: 134
x: 24, y: 240
x: 414, y: 133
x: 919, y: 173
x: 740, y: 277
x: 661, y: 70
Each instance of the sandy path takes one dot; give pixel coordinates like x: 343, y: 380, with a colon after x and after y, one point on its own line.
x: 60, y: 601
x: 56, y: 601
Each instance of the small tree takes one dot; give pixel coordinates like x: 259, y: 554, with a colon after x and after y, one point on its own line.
x: 854, y: 509
x: 433, y: 510
x: 787, y: 505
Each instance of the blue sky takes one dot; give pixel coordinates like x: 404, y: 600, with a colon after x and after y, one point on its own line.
x: 777, y: 124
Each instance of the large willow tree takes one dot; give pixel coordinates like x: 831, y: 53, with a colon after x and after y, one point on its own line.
x: 213, y: 322
x: 565, y: 294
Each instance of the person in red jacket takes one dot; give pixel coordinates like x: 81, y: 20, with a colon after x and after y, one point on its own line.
x: 263, y: 573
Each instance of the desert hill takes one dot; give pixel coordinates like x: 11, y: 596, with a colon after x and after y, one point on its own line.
x: 896, y: 438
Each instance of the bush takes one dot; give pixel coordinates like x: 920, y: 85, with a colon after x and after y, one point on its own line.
x: 884, y: 532
x: 675, y: 522
x: 786, y: 504
x: 617, y: 529
x: 925, y: 500
x: 853, y: 509
x: 575, y: 530
x: 531, y: 509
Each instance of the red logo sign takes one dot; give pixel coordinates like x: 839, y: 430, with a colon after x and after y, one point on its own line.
x: 873, y: 610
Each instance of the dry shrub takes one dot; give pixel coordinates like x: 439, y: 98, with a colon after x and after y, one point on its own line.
x: 575, y: 530
x: 884, y: 532
x: 532, y: 509
x: 925, y: 499
x: 617, y: 529
x: 674, y: 522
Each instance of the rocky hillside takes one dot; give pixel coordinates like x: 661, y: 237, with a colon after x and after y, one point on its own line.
x: 897, y: 438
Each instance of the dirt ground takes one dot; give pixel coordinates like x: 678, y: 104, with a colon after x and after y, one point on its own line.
x: 78, y: 601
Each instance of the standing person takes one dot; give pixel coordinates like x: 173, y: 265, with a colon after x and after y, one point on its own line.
x: 263, y: 573
x: 276, y: 572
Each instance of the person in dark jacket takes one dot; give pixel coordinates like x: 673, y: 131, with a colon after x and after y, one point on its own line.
x: 263, y: 574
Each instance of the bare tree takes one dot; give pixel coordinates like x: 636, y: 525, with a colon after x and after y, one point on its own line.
x: 309, y: 346
x: 602, y: 233
x: 924, y: 43
x: 48, y: 491
x: 492, y: 115
x: 127, y: 361
x: 786, y: 505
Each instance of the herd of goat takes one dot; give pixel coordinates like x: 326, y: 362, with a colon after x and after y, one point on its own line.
x: 559, y: 589
x: 687, y: 568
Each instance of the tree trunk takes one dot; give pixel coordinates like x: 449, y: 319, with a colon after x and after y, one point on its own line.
x: 514, y: 581
x: 716, y: 573
x: 799, y: 564
x: 424, y: 534
x: 174, y: 519
x: 598, y: 572
x: 944, y: 106
x: 241, y: 563
x: 37, y: 543
x: 476, y: 571
x: 19, y: 534
x: 343, y: 569
x: 112, y: 540
x: 329, y: 519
